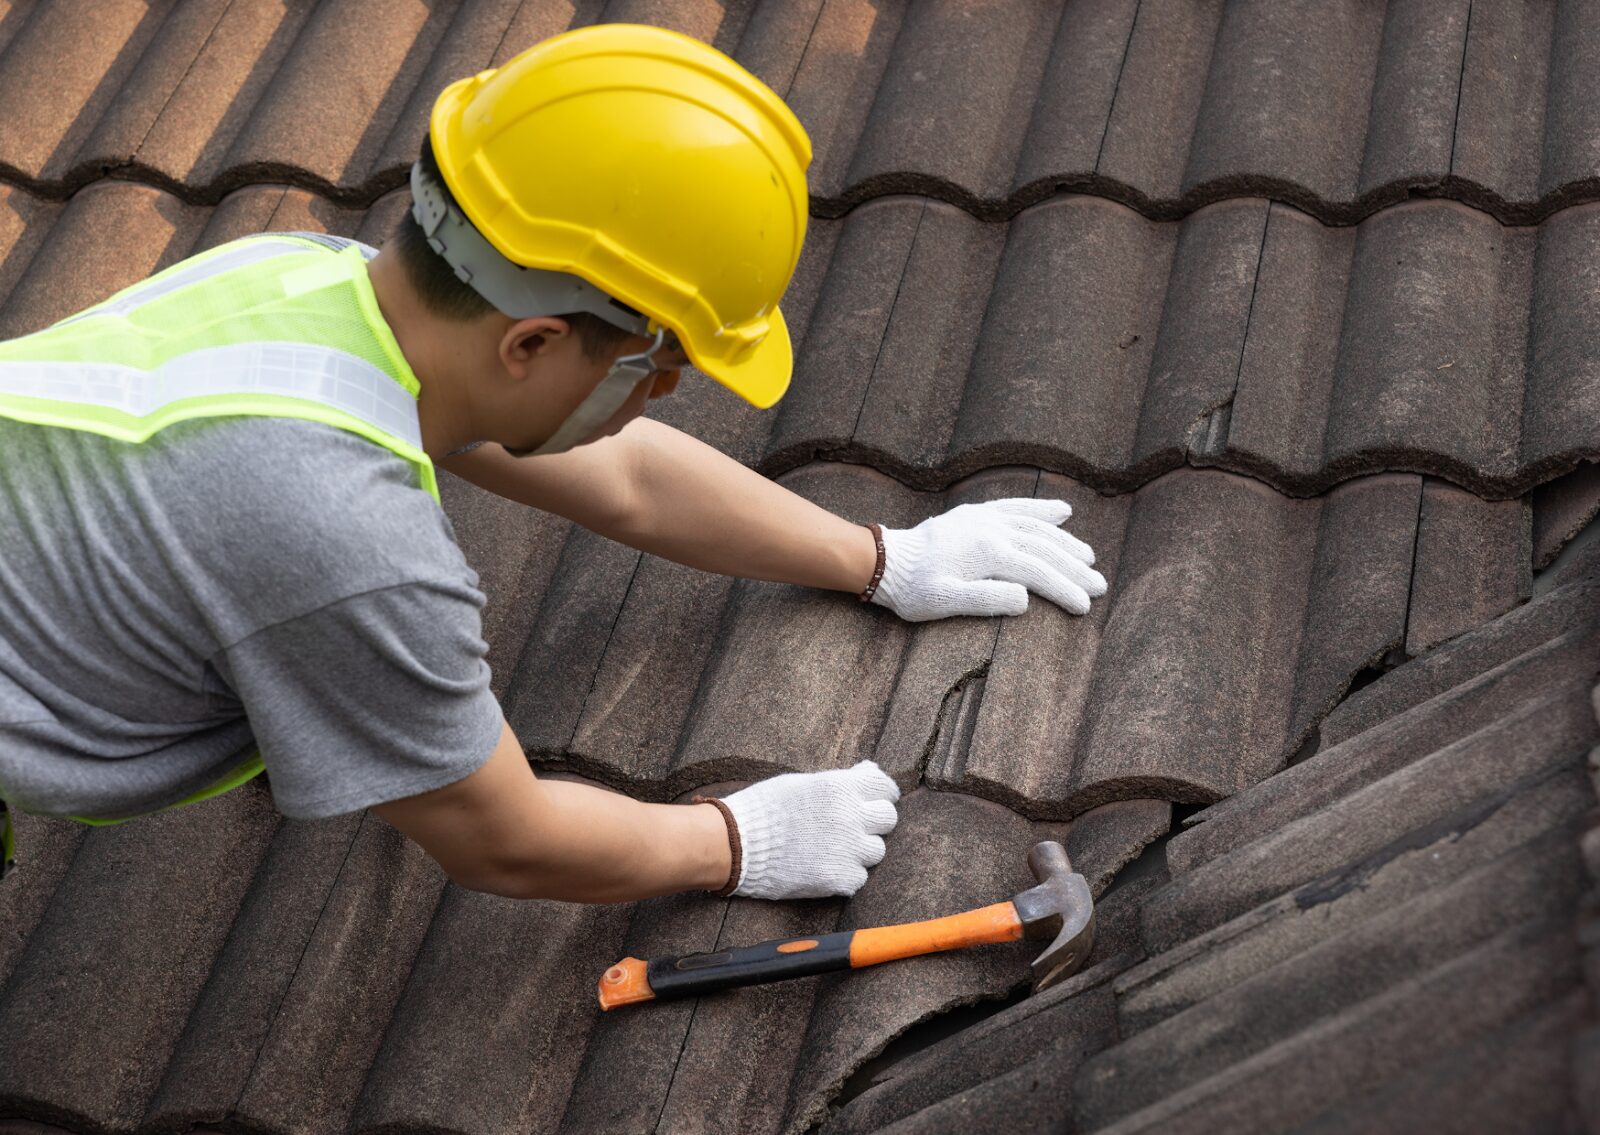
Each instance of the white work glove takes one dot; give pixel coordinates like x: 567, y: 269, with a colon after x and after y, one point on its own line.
x: 807, y: 835
x: 983, y: 559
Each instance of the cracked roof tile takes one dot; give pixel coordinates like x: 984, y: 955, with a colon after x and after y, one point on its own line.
x: 1160, y: 252
x: 1304, y: 966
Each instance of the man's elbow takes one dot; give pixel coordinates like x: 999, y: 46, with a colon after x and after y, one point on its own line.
x: 552, y: 886
x: 506, y: 881
x: 528, y: 881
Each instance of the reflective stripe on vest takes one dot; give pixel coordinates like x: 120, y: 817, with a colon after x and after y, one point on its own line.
x: 275, y: 326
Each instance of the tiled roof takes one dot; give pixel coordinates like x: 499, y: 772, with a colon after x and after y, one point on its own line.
x: 304, y: 976
x: 1293, y: 302
x: 1392, y: 935
x: 1078, y: 338
x: 1337, y: 108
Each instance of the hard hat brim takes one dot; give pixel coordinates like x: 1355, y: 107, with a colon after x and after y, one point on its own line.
x: 762, y: 375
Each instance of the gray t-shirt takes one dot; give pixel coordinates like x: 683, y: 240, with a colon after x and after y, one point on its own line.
x: 166, y: 608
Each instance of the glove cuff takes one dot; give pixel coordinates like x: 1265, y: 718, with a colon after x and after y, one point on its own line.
x: 761, y: 840
x: 902, y: 547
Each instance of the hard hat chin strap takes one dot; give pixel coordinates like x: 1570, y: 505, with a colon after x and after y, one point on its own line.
x: 604, y: 400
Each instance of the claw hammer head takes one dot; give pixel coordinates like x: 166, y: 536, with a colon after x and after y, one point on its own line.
x: 1061, y: 907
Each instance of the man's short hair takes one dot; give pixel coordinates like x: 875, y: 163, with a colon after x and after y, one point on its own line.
x: 446, y: 295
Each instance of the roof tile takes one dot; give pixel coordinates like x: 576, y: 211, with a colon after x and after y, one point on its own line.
x: 835, y: 82
x: 119, y: 908
x: 175, y: 72
x: 1518, y: 971
x: 1513, y: 1078
x: 639, y: 1046
x: 1456, y: 713
x: 1440, y: 795
x: 220, y: 88
x: 1072, y: 110
x: 1561, y: 509
x: 83, y: 57
x: 1455, y: 530
x: 958, y: 69
x: 107, y: 237
x: 25, y: 224
x: 1457, y: 662
x: 333, y: 101
x: 1155, y: 110
x: 956, y: 853
x: 234, y: 1012
x: 479, y: 35
x: 1288, y: 95
x: 1343, y: 967
x: 1562, y: 399
x: 332, y: 1015
x: 27, y: 895
x: 1022, y: 1041
x: 796, y: 683
x: 490, y: 1030
x: 1523, y: 91
x: 1078, y: 294
x: 1411, y: 125
x: 738, y: 1055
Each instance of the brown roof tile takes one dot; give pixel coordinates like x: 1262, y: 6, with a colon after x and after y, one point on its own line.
x: 1157, y: 252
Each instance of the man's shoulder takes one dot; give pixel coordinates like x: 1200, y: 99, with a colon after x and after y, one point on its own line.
x: 315, y: 509
x: 254, y: 455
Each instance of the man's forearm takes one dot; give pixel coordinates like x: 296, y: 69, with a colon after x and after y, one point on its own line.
x: 502, y: 830
x: 693, y: 504
x: 657, y: 489
x: 610, y: 848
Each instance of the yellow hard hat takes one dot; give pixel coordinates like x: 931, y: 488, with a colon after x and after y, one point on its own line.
x: 651, y: 166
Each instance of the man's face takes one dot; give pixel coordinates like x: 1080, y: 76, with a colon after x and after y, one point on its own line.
x: 574, y: 375
x: 669, y: 360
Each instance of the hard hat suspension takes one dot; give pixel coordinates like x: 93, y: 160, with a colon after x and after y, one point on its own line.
x: 513, y: 290
x: 521, y: 293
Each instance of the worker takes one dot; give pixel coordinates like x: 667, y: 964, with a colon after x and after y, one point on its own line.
x: 221, y: 545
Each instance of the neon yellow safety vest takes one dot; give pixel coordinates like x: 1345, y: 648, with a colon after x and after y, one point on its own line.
x: 282, y: 325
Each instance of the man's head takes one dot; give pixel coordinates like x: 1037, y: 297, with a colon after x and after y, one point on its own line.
x: 520, y: 377
x: 625, y: 171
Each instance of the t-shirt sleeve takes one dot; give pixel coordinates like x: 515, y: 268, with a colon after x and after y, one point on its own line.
x: 375, y: 697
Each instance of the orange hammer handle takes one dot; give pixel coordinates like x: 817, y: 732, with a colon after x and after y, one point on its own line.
x: 634, y: 979
x: 996, y: 923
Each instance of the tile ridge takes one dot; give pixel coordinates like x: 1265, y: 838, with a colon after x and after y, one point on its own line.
x: 1461, y: 191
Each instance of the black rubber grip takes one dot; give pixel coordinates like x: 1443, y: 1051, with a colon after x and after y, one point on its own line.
x: 693, y: 974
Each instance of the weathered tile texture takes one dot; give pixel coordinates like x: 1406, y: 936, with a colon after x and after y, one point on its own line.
x: 1306, y: 288
x: 1380, y: 938
x: 324, y: 976
x: 1338, y: 108
x: 1236, y: 615
x: 1079, y: 337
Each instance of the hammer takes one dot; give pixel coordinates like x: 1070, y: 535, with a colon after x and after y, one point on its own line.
x: 1060, y: 907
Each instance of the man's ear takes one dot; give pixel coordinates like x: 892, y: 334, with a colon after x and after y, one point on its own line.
x: 528, y: 339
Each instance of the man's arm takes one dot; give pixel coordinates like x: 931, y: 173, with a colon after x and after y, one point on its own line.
x: 657, y: 489
x: 504, y: 831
